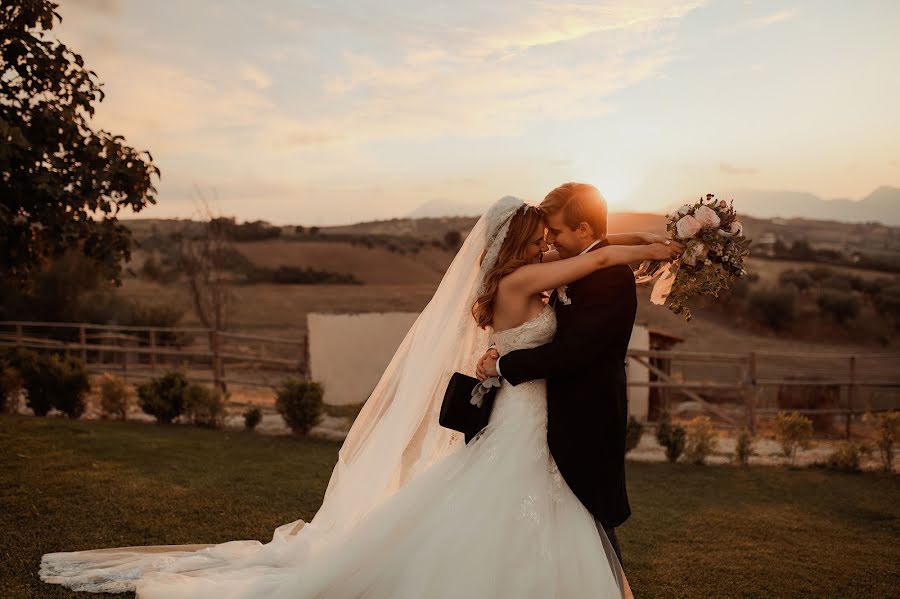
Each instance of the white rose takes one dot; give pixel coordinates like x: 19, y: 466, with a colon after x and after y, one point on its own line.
x: 736, y: 228
x: 686, y: 209
x: 687, y: 227
x: 695, y: 251
x: 707, y: 217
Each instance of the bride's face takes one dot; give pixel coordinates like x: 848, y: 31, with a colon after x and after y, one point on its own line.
x: 537, y: 245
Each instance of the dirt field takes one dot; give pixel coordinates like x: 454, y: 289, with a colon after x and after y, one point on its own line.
x: 376, y: 266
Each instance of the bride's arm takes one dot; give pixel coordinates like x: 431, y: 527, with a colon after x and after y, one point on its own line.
x: 634, y: 238
x: 535, y: 278
x: 617, y: 239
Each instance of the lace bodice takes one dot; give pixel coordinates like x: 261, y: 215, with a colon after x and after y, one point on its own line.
x: 531, y: 333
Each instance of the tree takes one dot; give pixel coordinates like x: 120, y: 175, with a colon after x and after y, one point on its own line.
x: 452, y: 240
x: 62, y: 183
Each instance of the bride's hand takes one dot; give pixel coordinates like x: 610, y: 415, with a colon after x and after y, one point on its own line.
x: 649, y: 238
x: 665, y: 251
x: 480, y: 370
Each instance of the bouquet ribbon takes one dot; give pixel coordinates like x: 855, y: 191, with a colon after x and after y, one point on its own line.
x: 665, y: 279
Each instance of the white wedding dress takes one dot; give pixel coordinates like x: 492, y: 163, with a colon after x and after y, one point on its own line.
x: 492, y: 519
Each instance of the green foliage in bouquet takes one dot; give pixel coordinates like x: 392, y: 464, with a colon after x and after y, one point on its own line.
x: 714, y: 254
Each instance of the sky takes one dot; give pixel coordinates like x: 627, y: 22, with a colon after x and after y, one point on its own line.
x: 332, y: 112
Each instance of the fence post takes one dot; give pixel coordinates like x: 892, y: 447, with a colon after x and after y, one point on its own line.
x: 750, y: 391
x: 153, y: 351
x: 124, y: 363
x: 216, y: 360
x: 851, y: 390
x: 82, y: 339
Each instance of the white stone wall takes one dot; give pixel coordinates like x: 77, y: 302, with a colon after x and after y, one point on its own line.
x: 349, y: 352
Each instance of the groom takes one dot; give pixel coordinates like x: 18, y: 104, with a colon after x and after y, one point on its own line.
x: 587, y: 402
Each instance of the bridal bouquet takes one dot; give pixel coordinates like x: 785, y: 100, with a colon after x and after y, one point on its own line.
x: 715, y: 248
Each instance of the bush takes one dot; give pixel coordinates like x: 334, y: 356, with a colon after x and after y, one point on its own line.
x: 845, y: 457
x: 701, y: 440
x: 53, y: 382
x: 743, y: 448
x: 300, y: 404
x: 164, y: 397
x: 773, y: 307
x: 633, y: 433
x: 793, y: 431
x: 812, y: 396
x: 840, y: 305
x: 252, y: 417
x: 887, y: 302
x: 11, y: 384
x: 664, y: 428
x: 887, y: 428
x: 114, y: 397
x: 798, y: 278
x: 205, y: 406
x: 676, y: 444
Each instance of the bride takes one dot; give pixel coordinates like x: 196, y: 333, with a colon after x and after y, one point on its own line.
x: 410, y: 510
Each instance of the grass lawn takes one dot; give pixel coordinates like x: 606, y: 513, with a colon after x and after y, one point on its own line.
x: 695, y: 532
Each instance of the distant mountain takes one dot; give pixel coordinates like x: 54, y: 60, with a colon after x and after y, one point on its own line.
x: 882, y: 205
x: 441, y: 207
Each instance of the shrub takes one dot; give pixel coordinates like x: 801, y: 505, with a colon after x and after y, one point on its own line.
x: 793, y: 431
x: 670, y: 436
x: 887, y: 428
x: 300, y: 404
x: 743, y: 448
x: 205, y: 406
x: 30, y: 367
x: 452, y: 240
x: 11, y: 384
x: 114, y: 397
x: 840, y: 305
x: 252, y: 417
x: 664, y: 428
x: 53, y: 382
x: 701, y: 440
x: 887, y: 302
x: 845, y: 457
x: 773, y: 307
x: 820, y: 273
x: 164, y: 397
x: 70, y: 384
x: 633, y: 433
x: 798, y: 278
x: 812, y: 396
x: 676, y: 443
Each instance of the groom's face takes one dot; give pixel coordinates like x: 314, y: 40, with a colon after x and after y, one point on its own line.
x: 567, y: 241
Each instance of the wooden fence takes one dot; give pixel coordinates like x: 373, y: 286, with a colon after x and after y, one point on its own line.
x: 764, y: 383
x: 735, y: 388
x: 216, y: 357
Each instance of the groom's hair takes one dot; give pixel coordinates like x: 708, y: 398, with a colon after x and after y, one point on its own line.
x: 579, y: 203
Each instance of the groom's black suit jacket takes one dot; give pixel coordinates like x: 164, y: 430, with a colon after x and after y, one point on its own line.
x: 587, y: 401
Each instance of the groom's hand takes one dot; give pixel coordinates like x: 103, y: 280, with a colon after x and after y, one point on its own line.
x: 487, y: 364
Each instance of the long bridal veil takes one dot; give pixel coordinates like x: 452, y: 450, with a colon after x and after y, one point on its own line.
x: 395, y: 437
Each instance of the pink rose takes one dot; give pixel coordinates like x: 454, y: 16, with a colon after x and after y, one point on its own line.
x: 687, y: 227
x: 707, y: 217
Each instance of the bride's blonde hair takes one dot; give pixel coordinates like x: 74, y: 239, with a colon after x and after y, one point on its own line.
x: 511, y: 257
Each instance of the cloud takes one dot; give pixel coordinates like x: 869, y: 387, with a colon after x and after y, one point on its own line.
x: 730, y: 169
x: 106, y: 7
x: 778, y: 17
x: 250, y: 73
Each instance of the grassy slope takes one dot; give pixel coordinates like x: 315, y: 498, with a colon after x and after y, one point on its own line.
x: 695, y: 532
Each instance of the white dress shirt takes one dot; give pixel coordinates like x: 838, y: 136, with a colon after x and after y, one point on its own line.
x: 584, y: 251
